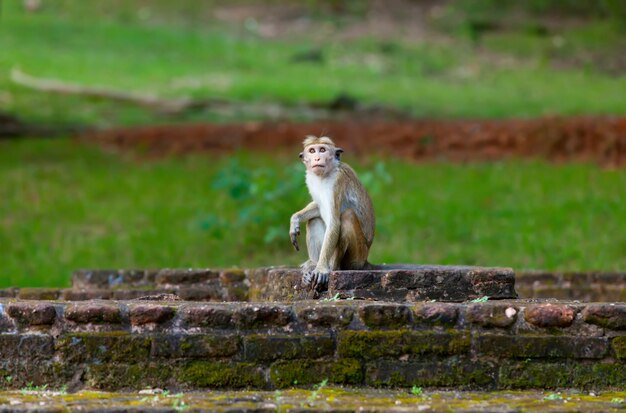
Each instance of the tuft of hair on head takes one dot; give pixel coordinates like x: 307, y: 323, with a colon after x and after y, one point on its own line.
x: 314, y: 140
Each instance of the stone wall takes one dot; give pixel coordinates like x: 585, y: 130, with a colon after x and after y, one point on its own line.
x: 506, y: 344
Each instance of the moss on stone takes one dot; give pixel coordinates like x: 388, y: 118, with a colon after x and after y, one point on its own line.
x: 395, y: 343
x: 103, y: 346
x: 307, y: 372
x: 116, y: 376
x: 619, y: 347
x: 222, y: 374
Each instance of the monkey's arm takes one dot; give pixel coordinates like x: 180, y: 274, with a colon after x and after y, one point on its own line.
x: 331, y: 238
x: 307, y: 213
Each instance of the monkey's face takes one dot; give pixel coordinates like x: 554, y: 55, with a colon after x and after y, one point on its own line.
x: 320, y: 159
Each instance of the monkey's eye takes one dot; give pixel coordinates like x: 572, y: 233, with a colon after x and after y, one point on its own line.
x: 322, y: 150
x: 311, y: 150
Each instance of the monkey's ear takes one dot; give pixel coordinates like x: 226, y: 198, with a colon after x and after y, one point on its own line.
x: 338, y: 152
x: 301, y: 155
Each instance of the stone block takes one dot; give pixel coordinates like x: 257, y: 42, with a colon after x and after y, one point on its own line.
x: 263, y: 316
x: 196, y: 346
x: 93, y: 312
x: 458, y: 372
x: 39, y: 293
x: 204, y: 292
x: 222, y: 374
x: 232, y: 276
x: 185, y: 276
x: 354, y: 280
x: 128, y: 376
x: 135, y: 294
x: 550, y: 315
x: 26, y: 346
x: 391, y: 316
x: 308, y: 372
x: 263, y: 347
x: 619, y: 347
x: 103, y: 347
x: 212, y: 316
x: 541, y: 346
x: 323, y: 315
x: 9, y: 292
x: 548, y: 291
x: 436, y: 313
x: 71, y: 294
x: 147, y: 313
x: 32, y: 313
x: 607, y: 315
x: 401, y: 343
x: 500, y: 315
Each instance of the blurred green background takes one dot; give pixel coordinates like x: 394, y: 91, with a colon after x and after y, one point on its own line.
x: 67, y: 205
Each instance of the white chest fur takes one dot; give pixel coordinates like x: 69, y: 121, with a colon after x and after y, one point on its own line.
x: 322, y: 192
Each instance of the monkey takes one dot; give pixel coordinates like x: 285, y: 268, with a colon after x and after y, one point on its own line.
x: 340, y: 220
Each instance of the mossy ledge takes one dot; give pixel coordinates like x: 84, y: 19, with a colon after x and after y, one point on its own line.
x: 505, y: 344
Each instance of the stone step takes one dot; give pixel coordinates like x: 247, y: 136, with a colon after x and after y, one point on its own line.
x: 394, y: 283
x: 128, y: 345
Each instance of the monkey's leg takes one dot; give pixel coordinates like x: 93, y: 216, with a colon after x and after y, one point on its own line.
x: 353, y: 249
x: 315, y: 230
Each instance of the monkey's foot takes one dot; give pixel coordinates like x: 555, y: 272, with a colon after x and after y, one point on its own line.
x: 316, y: 280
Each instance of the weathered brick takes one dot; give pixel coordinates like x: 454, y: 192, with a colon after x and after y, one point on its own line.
x: 500, y: 315
x: 92, y: 346
x: 6, y: 323
x: 611, y: 316
x: 325, y: 315
x: 128, y: 376
x: 284, y: 347
x: 619, y: 347
x: 39, y: 293
x: 458, y: 372
x: 186, y: 276
x: 385, y: 315
x: 9, y: 292
x: 558, y: 375
x: 222, y: 374
x: 196, y: 346
x: 232, y: 276
x: 306, y: 372
x: 93, y: 312
x: 32, y: 313
x: 205, y: 292
x: 212, y: 316
x: 401, y: 343
x: 26, y: 346
x: 352, y: 280
x: 542, y: 346
x: 236, y: 292
x: 549, y: 291
x: 493, y: 282
x: 550, y: 315
x: 70, y: 294
x: 437, y: 313
x: 263, y: 315
x: 146, y: 313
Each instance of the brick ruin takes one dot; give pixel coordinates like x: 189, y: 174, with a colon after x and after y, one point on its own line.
x: 424, y: 326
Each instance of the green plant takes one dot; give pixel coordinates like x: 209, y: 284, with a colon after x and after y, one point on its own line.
x: 483, y: 299
x: 416, y: 391
x: 553, y: 396
x: 617, y: 400
x: 313, y: 396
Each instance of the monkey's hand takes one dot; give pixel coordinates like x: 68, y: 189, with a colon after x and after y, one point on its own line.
x: 294, y: 231
x: 316, y: 279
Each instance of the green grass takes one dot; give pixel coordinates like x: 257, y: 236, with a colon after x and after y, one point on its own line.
x: 66, y: 206
x: 89, y: 44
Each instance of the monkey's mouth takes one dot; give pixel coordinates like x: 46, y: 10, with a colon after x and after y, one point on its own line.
x: 318, y: 166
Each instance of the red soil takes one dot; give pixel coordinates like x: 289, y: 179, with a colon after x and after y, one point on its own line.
x: 600, y: 140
